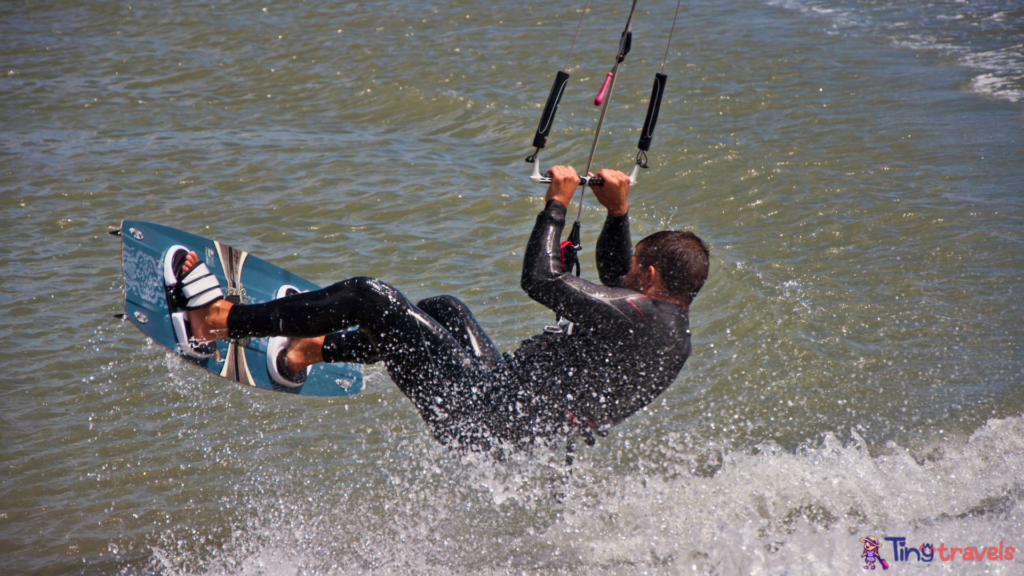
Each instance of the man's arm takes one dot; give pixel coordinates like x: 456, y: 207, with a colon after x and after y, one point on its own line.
x: 614, y: 246
x: 614, y: 250
x: 544, y: 281
x: 542, y: 261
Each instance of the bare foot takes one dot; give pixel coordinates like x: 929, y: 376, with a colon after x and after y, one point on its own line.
x: 209, y: 323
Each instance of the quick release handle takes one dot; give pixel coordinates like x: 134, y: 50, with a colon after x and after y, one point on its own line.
x: 647, y: 134
x: 604, y: 88
x: 570, y: 249
x: 550, y: 107
x: 625, y: 43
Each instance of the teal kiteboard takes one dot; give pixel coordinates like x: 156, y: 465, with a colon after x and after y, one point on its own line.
x: 244, y: 279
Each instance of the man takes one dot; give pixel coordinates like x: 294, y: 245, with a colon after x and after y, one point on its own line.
x: 627, y: 342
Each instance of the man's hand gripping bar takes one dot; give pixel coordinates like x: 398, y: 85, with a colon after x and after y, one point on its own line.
x: 538, y: 178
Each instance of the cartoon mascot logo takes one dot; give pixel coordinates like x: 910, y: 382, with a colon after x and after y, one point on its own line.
x: 870, y: 554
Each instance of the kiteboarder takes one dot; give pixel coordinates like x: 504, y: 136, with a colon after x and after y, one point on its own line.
x: 617, y: 345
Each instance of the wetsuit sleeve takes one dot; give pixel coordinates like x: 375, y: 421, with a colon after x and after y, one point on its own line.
x: 571, y: 297
x: 614, y: 250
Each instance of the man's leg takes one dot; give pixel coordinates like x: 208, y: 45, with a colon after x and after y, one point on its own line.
x: 355, y: 345
x: 444, y: 382
x: 455, y: 316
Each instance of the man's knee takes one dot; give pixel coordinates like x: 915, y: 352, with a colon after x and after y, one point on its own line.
x: 443, y: 306
x: 365, y: 287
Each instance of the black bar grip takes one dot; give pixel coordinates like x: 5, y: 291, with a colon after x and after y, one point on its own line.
x: 592, y: 181
x: 550, y: 107
x: 647, y: 134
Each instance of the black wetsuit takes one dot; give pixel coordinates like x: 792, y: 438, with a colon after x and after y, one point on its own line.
x: 623, y: 351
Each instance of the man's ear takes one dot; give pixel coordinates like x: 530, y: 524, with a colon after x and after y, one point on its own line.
x: 650, y: 278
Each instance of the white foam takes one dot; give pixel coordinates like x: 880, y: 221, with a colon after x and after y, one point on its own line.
x: 805, y: 513
x: 924, y: 42
x: 769, y: 511
x: 1004, y: 88
x: 1005, y: 66
x: 1003, y: 60
x: 1004, y: 77
x: 839, y: 18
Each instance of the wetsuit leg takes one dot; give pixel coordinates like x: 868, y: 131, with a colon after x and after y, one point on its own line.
x: 350, y: 346
x: 444, y: 382
x: 455, y: 316
x: 355, y: 345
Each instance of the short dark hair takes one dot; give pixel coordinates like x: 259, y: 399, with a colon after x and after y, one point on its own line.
x: 681, y: 258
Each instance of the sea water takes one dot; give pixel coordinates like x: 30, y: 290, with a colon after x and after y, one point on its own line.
x: 857, y: 366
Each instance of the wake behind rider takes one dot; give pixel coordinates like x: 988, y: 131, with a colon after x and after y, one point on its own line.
x: 629, y: 340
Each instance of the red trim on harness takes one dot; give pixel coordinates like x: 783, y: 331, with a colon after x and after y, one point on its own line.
x: 572, y: 420
x: 562, y: 252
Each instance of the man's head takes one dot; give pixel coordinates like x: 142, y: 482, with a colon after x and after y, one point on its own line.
x: 680, y: 262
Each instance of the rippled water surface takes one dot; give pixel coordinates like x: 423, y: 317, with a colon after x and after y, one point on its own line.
x: 856, y: 166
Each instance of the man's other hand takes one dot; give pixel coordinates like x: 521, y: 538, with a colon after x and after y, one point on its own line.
x: 614, y: 194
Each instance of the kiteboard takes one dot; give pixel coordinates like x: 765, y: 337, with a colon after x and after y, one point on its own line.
x: 245, y: 279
